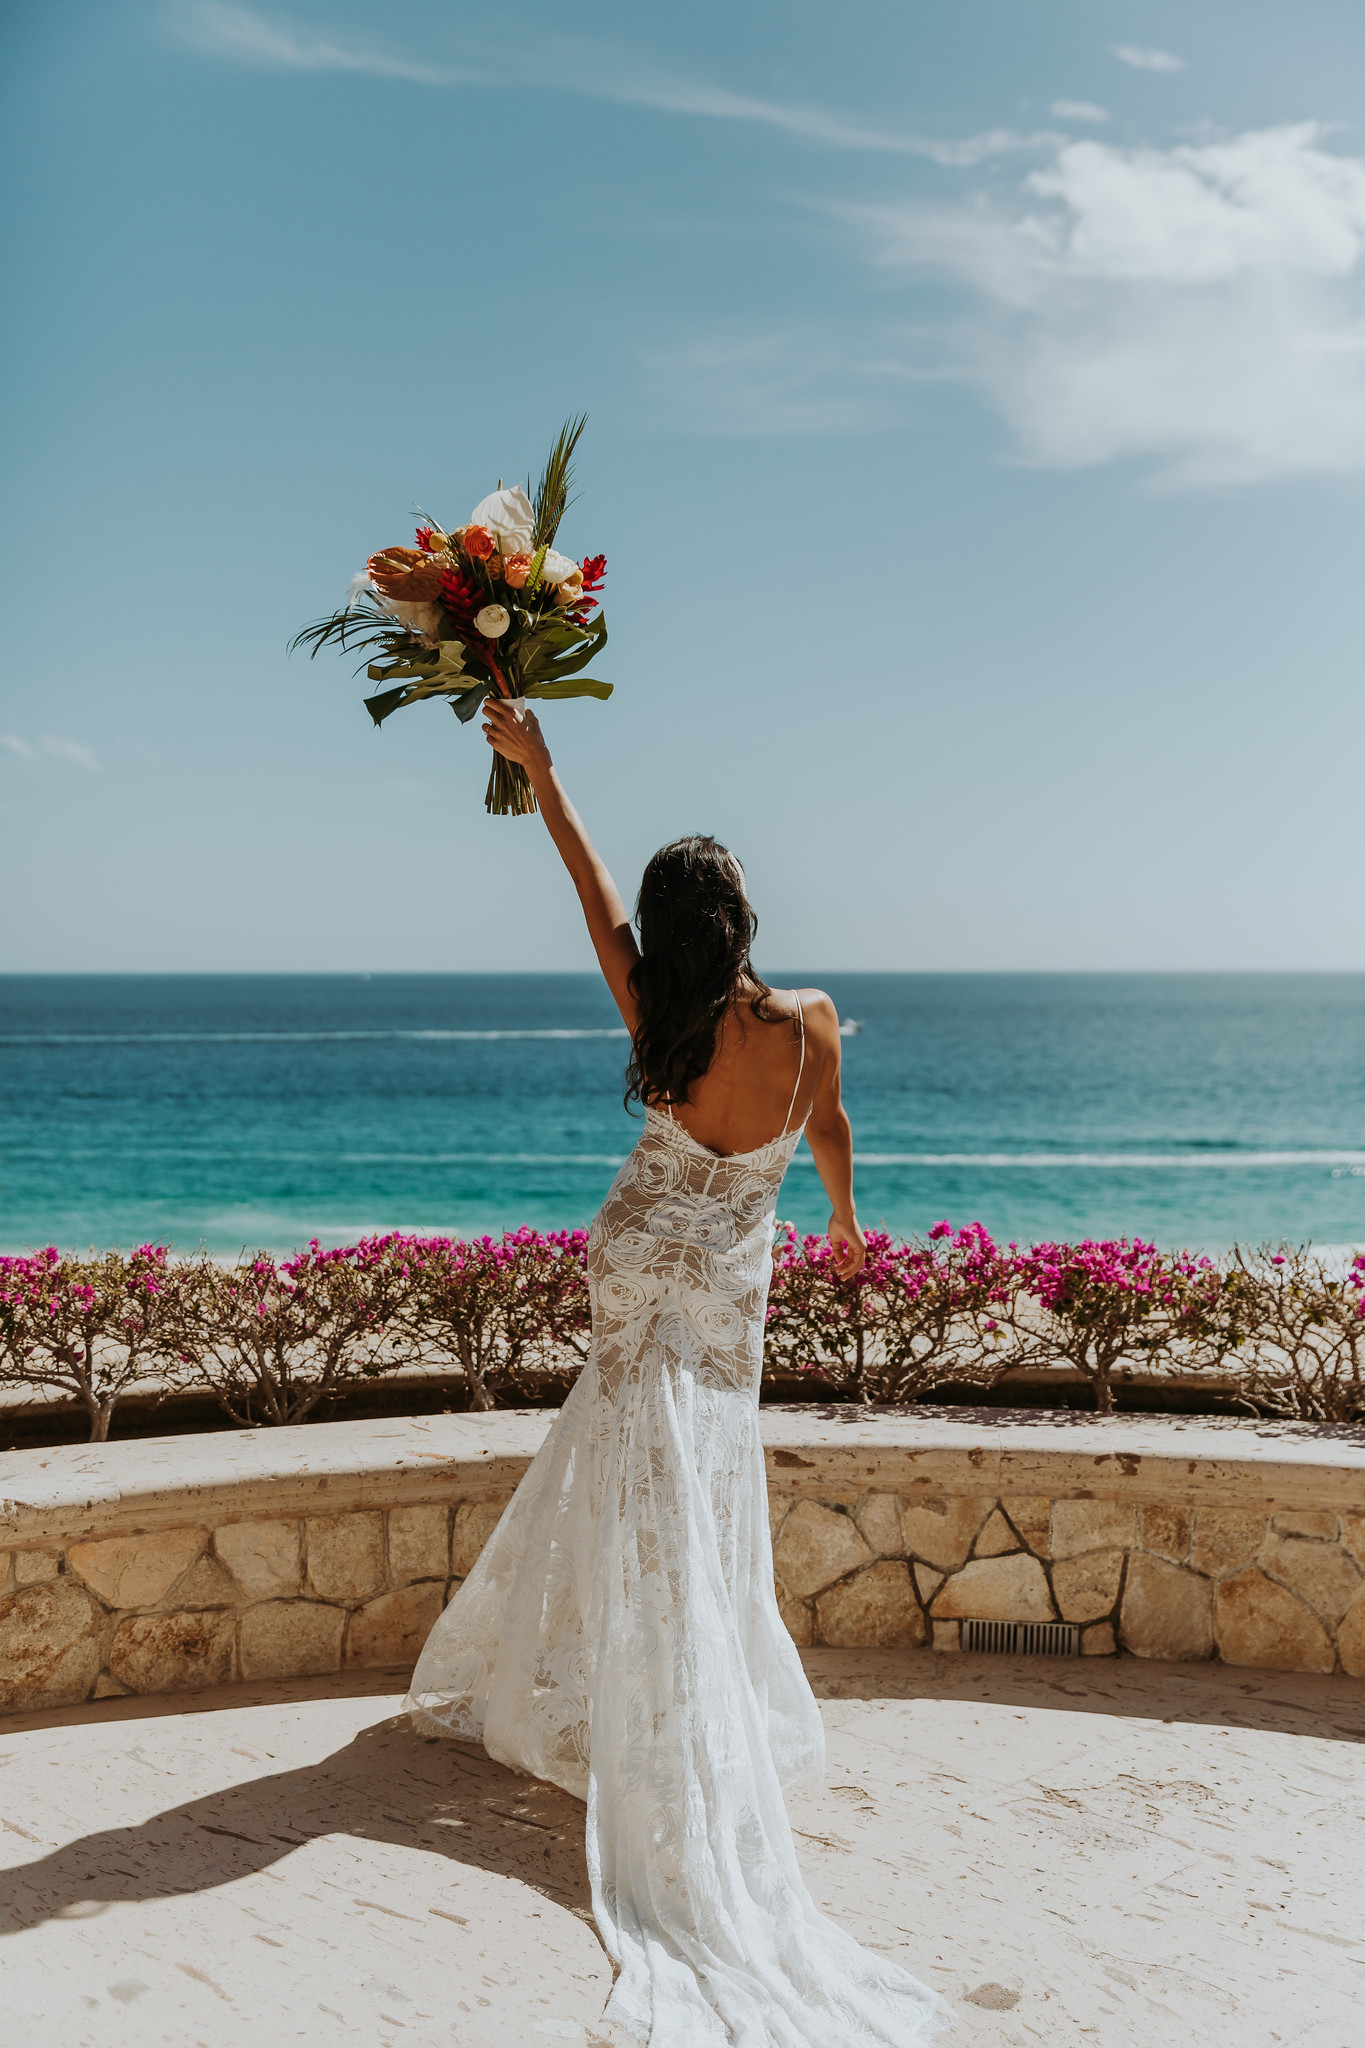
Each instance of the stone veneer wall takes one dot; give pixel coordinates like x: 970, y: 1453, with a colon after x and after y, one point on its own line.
x: 1285, y: 1591
x: 187, y: 1562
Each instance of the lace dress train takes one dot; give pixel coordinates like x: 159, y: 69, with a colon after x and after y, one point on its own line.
x: 619, y: 1635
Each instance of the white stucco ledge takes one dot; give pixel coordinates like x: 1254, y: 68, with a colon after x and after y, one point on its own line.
x: 76, y: 1493
x: 81, y: 1492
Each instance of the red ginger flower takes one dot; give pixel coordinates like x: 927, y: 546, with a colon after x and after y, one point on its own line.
x: 594, y: 570
x: 459, y: 595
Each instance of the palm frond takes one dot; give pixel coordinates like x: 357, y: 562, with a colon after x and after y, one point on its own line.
x: 364, y: 624
x: 552, y: 493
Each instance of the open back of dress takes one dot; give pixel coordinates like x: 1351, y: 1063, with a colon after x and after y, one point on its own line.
x: 619, y: 1635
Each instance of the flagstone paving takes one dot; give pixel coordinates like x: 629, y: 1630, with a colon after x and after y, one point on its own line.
x: 1095, y: 1851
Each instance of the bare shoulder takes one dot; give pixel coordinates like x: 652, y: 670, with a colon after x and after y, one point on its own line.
x: 822, y: 1018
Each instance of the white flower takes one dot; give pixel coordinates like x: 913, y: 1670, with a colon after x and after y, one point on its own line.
x: 422, y: 618
x: 493, y: 620
x: 508, y: 517
x: 556, y: 568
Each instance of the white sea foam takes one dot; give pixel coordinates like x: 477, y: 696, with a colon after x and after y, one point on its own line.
x: 478, y: 1158
x: 1355, y: 1161
x: 1195, y: 1160
x: 1346, y: 1164
x: 277, y: 1037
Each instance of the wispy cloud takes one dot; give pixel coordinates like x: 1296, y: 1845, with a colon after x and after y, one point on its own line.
x: 804, y: 377
x: 74, y: 751
x: 1202, y: 306
x: 1079, y: 110
x: 221, y: 30
x: 812, y: 124
x: 50, y: 748
x: 1140, y: 59
x: 243, y: 35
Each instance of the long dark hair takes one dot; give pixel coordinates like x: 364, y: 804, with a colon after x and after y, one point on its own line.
x: 696, y: 926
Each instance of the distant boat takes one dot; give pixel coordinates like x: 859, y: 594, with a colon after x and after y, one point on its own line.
x: 849, y: 1027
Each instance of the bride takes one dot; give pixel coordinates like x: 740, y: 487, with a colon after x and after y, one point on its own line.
x: 619, y: 1635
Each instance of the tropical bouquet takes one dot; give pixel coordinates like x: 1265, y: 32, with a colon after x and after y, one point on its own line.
x: 491, y: 608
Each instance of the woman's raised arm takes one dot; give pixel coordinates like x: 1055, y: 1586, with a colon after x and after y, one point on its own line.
x: 517, y: 736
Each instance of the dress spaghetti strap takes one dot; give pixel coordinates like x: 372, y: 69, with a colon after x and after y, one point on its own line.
x: 801, y: 1020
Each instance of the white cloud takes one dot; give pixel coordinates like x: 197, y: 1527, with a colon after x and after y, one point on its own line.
x: 1079, y: 110
x: 808, y: 377
x: 1203, y: 306
x: 811, y: 124
x: 70, y: 750
x: 238, y: 32
x: 246, y: 36
x: 52, y: 748
x: 1147, y: 60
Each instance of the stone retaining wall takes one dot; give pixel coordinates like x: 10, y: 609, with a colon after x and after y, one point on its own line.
x: 186, y: 1562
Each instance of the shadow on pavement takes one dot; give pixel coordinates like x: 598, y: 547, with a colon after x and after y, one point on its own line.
x: 390, y: 1784
x: 1211, y: 1695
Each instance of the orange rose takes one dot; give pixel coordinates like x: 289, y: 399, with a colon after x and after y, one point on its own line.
x: 515, y: 570
x: 477, y: 542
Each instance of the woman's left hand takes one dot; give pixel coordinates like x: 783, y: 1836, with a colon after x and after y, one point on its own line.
x: 848, y: 1245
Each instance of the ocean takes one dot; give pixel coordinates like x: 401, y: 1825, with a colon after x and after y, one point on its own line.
x: 235, y: 1111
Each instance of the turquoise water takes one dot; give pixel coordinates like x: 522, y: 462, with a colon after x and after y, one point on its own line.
x: 232, y: 1110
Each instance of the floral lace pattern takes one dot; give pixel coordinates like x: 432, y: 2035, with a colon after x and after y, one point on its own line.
x: 619, y: 1635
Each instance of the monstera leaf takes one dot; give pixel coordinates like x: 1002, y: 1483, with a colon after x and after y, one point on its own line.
x: 442, y: 676
x: 559, y: 649
x: 571, y: 686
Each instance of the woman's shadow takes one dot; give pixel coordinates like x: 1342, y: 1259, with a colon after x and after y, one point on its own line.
x: 391, y: 1784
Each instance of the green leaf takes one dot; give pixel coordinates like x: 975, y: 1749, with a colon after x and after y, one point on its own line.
x: 442, y: 674
x: 464, y: 707
x: 388, y: 700
x: 575, y: 686
x: 552, y: 493
x: 464, y: 701
x: 363, y: 624
x: 585, y: 642
x: 380, y: 671
x: 444, y: 666
x: 562, y: 632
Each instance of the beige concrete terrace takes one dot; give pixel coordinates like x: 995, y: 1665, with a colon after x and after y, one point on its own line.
x: 1107, y: 1851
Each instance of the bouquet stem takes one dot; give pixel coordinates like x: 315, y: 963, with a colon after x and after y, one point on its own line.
x: 509, y: 792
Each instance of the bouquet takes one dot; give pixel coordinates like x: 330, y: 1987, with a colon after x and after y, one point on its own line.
x: 489, y: 608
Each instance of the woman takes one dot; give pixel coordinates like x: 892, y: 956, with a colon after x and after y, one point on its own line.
x: 619, y: 1636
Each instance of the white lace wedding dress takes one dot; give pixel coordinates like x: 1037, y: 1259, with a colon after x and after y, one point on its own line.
x: 619, y: 1636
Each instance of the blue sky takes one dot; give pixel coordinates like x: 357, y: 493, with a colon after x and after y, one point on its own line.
x: 977, y: 435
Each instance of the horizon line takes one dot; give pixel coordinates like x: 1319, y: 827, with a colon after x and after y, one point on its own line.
x: 594, y: 974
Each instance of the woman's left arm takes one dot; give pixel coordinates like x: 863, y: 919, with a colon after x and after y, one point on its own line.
x: 830, y: 1137
x: 517, y: 736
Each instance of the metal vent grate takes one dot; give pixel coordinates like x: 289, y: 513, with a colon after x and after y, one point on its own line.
x: 1022, y: 1638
